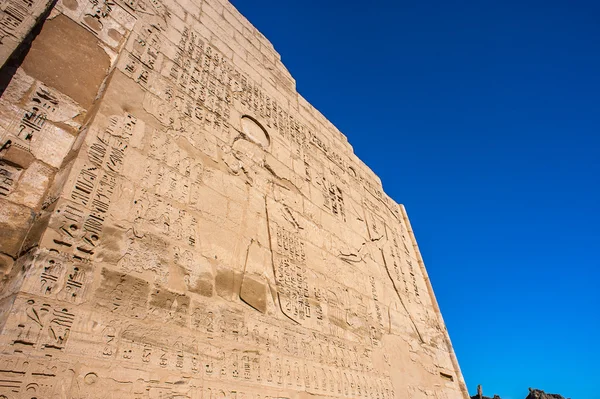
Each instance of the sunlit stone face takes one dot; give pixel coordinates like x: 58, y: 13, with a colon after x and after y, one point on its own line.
x: 176, y: 221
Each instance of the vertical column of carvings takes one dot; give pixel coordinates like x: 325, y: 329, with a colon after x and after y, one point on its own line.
x: 43, y: 107
x: 67, y: 301
x: 458, y: 373
x: 46, y: 107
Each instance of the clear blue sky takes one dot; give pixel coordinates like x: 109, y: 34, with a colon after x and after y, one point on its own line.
x: 483, y: 118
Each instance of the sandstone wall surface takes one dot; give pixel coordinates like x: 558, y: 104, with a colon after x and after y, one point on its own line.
x: 176, y: 221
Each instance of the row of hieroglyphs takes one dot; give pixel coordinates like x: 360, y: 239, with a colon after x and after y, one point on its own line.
x: 254, y: 350
x: 121, y: 294
x: 22, y: 377
x: 311, y: 365
x: 26, y: 378
x: 323, y: 308
x: 37, y: 379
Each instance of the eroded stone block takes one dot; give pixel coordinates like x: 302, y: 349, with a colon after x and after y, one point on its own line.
x: 68, y: 58
x: 15, y: 221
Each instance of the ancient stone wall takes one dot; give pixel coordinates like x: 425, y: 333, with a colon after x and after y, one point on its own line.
x: 176, y: 221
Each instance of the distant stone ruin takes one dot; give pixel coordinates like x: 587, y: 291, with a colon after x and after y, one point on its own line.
x: 480, y: 394
x: 539, y: 394
x: 533, y: 394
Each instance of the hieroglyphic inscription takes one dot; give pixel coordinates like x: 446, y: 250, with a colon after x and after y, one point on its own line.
x: 283, y: 358
x: 170, y: 171
x: 413, y: 278
x: 59, y: 327
x: 27, y: 377
x: 43, y: 102
x: 375, y: 331
x: 43, y: 105
x: 210, y: 235
x: 202, y: 85
x: 58, y: 277
x: 109, y: 20
x: 157, y: 214
x: 401, y: 268
x: 397, y: 271
x: 17, y: 18
x: 96, y: 12
x: 197, y: 83
x: 81, y: 220
x: 333, y: 199
x: 293, y: 289
x: 42, y: 325
x: 123, y: 294
x: 9, y: 175
x: 13, y: 14
x: 296, y: 288
x: 288, y: 243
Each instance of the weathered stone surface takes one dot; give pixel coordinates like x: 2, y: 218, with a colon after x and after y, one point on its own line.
x: 15, y: 221
x: 32, y: 185
x: 68, y: 58
x: 6, y: 263
x: 176, y: 221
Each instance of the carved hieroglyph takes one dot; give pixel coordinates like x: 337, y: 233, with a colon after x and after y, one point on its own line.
x: 176, y: 221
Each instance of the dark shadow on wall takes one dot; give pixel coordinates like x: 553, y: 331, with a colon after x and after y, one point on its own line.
x: 8, y: 70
